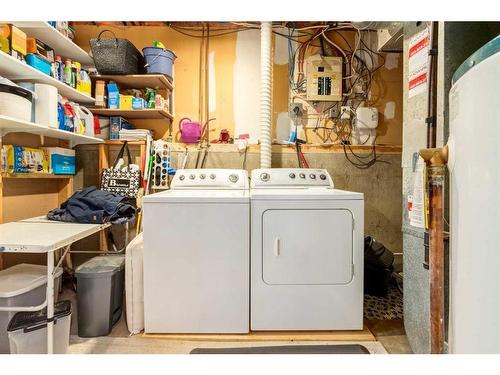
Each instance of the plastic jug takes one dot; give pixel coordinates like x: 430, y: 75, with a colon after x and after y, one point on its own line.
x: 88, y: 120
x: 190, y: 130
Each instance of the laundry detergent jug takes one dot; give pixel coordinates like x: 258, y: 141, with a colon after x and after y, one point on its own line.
x: 190, y: 130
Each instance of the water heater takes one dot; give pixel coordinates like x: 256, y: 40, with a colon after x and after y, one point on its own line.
x: 474, y: 146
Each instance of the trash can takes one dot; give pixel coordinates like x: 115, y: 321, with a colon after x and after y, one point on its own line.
x: 22, y: 285
x: 28, y: 330
x: 99, y: 290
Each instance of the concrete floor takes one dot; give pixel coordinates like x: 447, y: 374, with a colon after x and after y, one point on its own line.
x: 391, y: 334
x: 390, y: 337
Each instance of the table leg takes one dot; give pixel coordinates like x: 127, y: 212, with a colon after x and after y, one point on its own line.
x: 50, y: 302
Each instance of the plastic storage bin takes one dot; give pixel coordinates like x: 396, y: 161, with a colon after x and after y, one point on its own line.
x: 22, y: 285
x: 99, y: 284
x: 38, y: 63
x: 28, y: 330
x: 159, y: 60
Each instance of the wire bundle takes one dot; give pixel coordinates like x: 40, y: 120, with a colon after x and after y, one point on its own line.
x: 359, y: 65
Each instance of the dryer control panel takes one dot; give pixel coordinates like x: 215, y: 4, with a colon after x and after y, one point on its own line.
x: 290, y: 178
x: 210, y: 179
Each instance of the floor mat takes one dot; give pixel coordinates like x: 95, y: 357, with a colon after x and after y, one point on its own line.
x: 389, y: 307
x: 288, y: 349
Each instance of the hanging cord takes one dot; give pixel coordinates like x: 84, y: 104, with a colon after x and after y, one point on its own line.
x: 200, y: 78
x: 207, y: 93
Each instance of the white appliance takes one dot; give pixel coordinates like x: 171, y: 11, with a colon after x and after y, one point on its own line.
x: 475, y: 200
x: 196, y: 254
x: 306, y: 252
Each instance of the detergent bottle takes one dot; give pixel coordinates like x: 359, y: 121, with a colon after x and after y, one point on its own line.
x: 67, y: 72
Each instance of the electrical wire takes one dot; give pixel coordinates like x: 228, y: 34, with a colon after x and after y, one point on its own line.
x: 359, y: 64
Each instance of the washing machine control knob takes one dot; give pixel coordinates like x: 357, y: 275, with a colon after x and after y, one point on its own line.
x: 312, y: 176
x: 182, y: 177
x: 233, y: 178
x: 192, y: 176
x: 302, y: 175
x: 264, y: 177
x: 212, y: 176
x: 292, y: 175
x: 202, y: 176
x: 322, y: 176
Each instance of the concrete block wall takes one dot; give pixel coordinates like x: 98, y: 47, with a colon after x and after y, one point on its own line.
x: 381, y: 183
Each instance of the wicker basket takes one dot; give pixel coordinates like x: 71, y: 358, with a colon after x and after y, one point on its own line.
x: 116, y: 55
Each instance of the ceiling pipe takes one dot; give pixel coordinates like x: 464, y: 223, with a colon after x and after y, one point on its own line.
x: 265, y: 93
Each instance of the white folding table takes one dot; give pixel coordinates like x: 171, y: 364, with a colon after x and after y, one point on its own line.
x: 40, y: 235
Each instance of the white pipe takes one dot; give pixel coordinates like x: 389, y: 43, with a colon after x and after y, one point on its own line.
x: 265, y: 94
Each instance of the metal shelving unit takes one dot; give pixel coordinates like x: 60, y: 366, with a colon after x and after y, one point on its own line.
x: 13, y: 125
x: 63, y: 46
x: 16, y: 70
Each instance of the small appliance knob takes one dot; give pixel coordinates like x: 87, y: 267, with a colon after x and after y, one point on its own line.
x: 182, y: 177
x: 322, y: 176
x: 233, y: 178
x: 192, y: 176
x: 264, y: 176
x: 292, y: 175
x: 312, y: 176
x: 202, y: 176
x: 302, y: 175
x: 212, y: 176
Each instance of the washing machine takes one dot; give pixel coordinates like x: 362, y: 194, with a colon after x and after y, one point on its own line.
x: 306, y: 252
x: 197, y: 254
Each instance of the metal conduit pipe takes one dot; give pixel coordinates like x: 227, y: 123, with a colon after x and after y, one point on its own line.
x: 265, y: 94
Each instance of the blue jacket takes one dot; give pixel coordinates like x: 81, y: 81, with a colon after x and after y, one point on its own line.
x: 91, y: 205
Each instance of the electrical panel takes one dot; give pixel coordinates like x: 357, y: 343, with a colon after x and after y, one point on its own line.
x: 324, y: 78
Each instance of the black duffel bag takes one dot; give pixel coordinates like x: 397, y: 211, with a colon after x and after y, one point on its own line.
x: 116, y: 55
x: 378, y: 267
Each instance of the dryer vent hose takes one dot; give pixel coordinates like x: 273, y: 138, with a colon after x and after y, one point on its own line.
x: 265, y: 94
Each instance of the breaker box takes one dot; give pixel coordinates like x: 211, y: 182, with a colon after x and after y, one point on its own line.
x: 324, y: 78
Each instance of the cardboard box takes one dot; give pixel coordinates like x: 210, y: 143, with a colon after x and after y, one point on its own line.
x: 116, y: 124
x: 61, y: 160
x: 113, y: 96
x: 100, y: 94
x: 17, y: 40
x: 138, y: 103
x: 38, y: 47
x: 19, y: 159
x: 126, y: 101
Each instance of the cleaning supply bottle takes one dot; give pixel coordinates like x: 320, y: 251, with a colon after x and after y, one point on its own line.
x: 67, y: 71
x: 59, y: 68
x: 73, y: 74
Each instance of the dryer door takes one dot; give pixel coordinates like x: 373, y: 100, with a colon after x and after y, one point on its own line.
x: 307, y: 247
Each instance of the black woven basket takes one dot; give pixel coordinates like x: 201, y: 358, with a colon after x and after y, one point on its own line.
x: 116, y: 55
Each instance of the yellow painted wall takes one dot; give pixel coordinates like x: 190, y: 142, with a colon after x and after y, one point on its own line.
x: 387, y: 86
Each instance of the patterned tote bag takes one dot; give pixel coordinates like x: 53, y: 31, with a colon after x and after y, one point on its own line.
x: 123, y: 181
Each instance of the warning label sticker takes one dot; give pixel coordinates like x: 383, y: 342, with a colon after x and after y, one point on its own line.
x: 418, y: 55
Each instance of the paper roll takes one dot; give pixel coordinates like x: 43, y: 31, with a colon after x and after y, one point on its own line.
x: 46, y: 105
